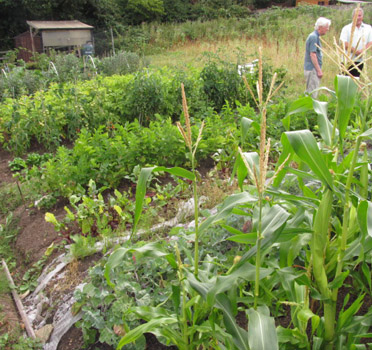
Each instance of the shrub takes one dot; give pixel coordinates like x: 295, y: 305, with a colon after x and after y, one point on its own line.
x: 221, y: 83
x: 149, y: 93
x: 121, y: 63
x: 20, y: 81
x: 69, y: 67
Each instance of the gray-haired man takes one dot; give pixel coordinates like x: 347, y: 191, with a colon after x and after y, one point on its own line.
x: 313, y: 55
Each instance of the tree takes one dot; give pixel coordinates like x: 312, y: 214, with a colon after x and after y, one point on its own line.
x: 138, y: 11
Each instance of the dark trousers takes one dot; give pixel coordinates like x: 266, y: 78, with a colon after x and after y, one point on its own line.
x: 353, y: 71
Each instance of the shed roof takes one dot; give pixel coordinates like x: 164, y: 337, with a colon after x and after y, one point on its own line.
x: 45, y: 25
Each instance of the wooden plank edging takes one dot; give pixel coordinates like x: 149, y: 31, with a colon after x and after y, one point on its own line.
x: 18, y: 302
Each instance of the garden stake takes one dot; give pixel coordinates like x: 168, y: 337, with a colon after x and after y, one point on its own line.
x: 18, y: 302
x: 20, y: 191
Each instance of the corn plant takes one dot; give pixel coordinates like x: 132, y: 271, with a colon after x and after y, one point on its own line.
x: 258, y: 175
x: 332, y: 233
x: 217, y: 295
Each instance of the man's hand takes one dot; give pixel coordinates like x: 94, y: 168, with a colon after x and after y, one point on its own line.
x: 319, y: 73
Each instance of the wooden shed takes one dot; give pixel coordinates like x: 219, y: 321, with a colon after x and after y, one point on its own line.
x: 23, y: 43
x: 44, y: 35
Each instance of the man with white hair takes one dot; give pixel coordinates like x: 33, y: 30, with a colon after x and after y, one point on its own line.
x: 314, y: 57
x: 362, y: 39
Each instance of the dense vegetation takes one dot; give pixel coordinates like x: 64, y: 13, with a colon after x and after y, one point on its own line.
x: 115, y: 14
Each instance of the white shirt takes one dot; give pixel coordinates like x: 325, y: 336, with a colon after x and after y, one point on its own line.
x: 362, y: 36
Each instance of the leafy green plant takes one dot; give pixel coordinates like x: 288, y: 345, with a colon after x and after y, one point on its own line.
x: 15, y: 341
x: 8, y: 233
x: 122, y: 63
x: 133, y: 276
x: 82, y: 246
x: 30, y: 277
x: 222, y: 82
x: 91, y: 216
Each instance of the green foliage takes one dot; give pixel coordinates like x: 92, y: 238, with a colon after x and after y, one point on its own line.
x: 30, y: 277
x: 138, y: 11
x: 103, y: 306
x: 149, y: 94
x: 33, y: 159
x: 223, y: 84
x: 89, y: 215
x: 82, y: 246
x: 16, y: 341
x: 108, y: 157
x: 8, y: 234
x: 260, y: 4
x: 68, y: 67
x: 213, y: 9
x: 122, y: 63
x: 288, y: 229
x: 176, y: 10
x: 20, y: 81
x: 64, y: 110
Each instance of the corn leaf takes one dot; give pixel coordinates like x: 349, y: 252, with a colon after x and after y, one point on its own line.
x: 253, y: 161
x: 319, y: 242
x: 303, y: 104
x: 142, y: 186
x: 241, y: 170
x: 152, y: 249
x: 291, y: 335
x: 365, y: 218
x: 345, y: 317
x: 346, y: 92
x: 245, y: 125
x: 147, y: 313
x: 210, y: 288
x: 228, y: 205
x: 140, y: 195
x: 261, y: 330
x: 367, y: 275
x: 274, y: 219
x: 325, y: 126
x: 339, y: 280
x: 239, y: 335
x: 283, y: 156
x: 244, y: 238
x: 232, y: 230
x: 137, y: 332
x: 367, y: 133
x: 304, y: 144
